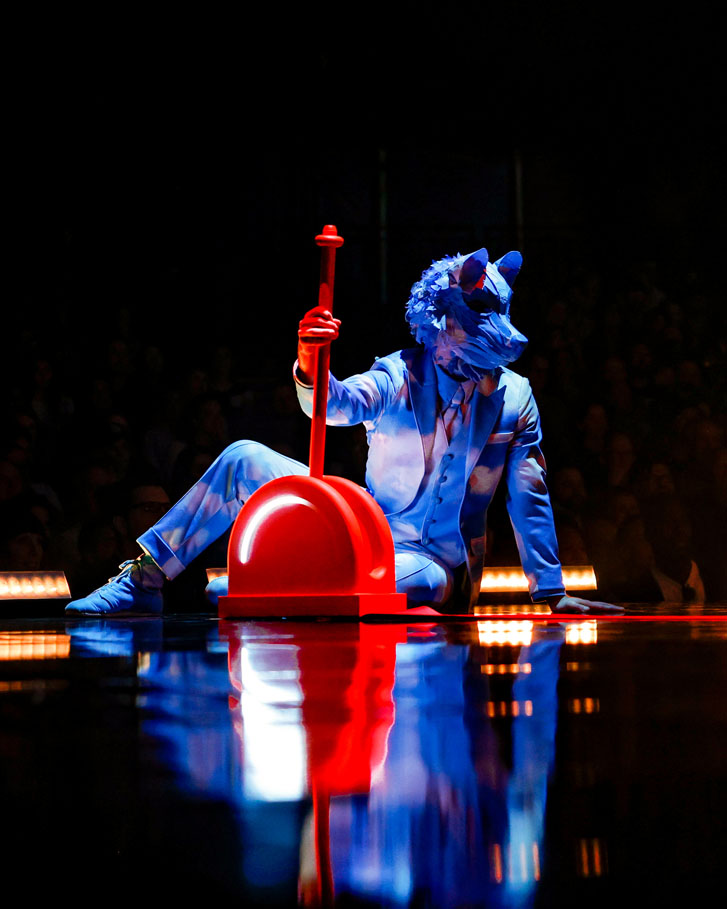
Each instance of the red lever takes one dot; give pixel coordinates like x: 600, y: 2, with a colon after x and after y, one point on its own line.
x: 329, y: 241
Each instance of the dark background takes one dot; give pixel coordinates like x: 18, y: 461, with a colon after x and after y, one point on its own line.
x: 185, y: 165
x: 162, y: 163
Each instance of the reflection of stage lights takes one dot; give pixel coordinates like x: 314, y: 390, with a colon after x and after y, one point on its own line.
x: 585, y: 632
x: 34, y: 645
x: 34, y: 685
x: 33, y: 585
x: 577, y: 666
x: 522, y: 865
x: 506, y: 668
x: 493, y: 610
x: 513, y: 633
x: 509, y: 708
x: 584, y: 705
x: 592, y: 858
x: 513, y: 580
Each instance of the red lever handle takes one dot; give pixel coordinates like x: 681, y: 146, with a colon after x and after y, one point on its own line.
x: 329, y: 241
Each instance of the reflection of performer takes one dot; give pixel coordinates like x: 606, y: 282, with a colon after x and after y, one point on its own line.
x: 445, y: 421
x: 431, y: 801
x: 450, y: 822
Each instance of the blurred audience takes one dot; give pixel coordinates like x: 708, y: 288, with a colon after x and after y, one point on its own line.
x: 631, y: 381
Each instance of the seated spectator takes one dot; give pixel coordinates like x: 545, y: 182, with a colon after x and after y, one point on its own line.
x: 139, y: 505
x: 669, y: 533
x: 600, y: 536
x: 620, y: 505
x: 569, y: 495
x: 11, y: 481
x: 620, y: 461
x: 591, y: 444
x: 708, y: 512
x: 22, y: 537
x: 637, y: 582
x: 641, y: 368
x: 108, y: 538
x: 571, y: 543
x: 98, y: 554
x: 659, y: 481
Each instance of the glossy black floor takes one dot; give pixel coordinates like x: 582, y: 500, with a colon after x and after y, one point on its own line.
x: 481, y: 763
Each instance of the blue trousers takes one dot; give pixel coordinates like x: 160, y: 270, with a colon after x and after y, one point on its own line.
x: 210, y: 507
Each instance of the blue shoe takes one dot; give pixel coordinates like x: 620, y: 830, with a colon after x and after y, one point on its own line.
x: 216, y: 588
x: 137, y: 589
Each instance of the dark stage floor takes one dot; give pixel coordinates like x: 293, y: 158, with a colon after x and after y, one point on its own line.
x: 480, y: 763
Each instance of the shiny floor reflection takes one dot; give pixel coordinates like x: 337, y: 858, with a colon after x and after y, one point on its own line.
x: 489, y: 763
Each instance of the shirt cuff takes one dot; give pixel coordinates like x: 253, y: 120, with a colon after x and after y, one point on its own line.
x: 296, y: 379
x: 542, y: 595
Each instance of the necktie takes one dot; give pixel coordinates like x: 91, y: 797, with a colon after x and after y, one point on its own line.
x: 453, y: 415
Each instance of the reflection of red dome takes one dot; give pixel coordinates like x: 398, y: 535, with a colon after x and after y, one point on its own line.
x: 346, y: 677
x: 348, y: 709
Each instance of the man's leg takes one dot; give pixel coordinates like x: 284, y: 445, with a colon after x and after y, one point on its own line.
x: 424, y: 580
x: 210, y: 507
x: 201, y: 516
x: 421, y: 578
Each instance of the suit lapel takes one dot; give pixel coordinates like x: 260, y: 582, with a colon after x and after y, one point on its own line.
x: 422, y: 381
x: 485, y: 411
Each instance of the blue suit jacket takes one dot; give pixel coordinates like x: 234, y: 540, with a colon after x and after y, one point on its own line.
x: 397, y: 402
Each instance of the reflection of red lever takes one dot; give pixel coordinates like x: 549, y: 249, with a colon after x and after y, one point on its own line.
x: 329, y: 241
x: 345, y: 678
x: 347, y: 722
x: 323, y: 885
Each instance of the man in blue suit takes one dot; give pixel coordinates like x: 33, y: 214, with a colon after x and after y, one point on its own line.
x: 444, y: 421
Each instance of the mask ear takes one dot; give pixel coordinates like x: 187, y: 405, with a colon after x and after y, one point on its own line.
x: 509, y: 266
x: 473, y: 269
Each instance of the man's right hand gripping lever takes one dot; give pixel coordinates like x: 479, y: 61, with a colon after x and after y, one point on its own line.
x: 316, y: 328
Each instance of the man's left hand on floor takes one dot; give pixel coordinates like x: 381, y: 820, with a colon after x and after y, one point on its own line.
x: 570, y: 605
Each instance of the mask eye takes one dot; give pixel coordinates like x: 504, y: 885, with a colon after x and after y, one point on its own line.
x: 482, y: 301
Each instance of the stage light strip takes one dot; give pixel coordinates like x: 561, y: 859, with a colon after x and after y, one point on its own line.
x: 513, y: 580
x: 510, y: 579
x: 33, y: 585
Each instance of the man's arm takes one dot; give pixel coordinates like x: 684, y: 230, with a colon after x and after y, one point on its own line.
x: 358, y: 399
x: 531, y: 514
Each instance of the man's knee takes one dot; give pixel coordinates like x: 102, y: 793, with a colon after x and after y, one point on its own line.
x: 422, y: 579
x: 249, y: 465
x: 244, y: 449
x: 249, y: 459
